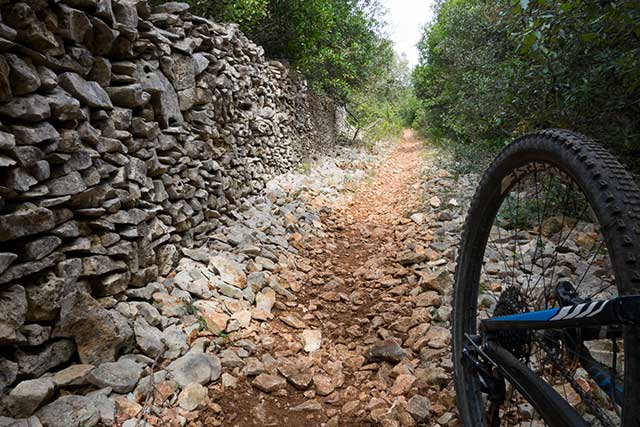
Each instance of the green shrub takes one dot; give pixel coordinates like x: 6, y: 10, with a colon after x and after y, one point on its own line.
x: 494, y: 70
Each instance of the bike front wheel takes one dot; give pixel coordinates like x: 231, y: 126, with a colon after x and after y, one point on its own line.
x: 554, y: 211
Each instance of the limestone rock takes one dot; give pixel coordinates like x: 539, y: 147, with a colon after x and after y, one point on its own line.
x: 311, y: 340
x: 388, y: 351
x: 438, y: 337
x: 13, y: 309
x: 299, y: 376
x: 63, y: 106
x: 34, y: 134
x: 324, y: 384
x: 24, y: 76
x: 29, y: 29
x: 121, y: 376
x: 269, y: 383
x: 88, y: 92
x: 29, y: 395
x: 17, y: 271
x: 35, y: 334
x: 230, y: 271
x: 6, y: 259
x: 5, y: 83
x: 23, y: 422
x: 195, y: 368
x: 419, y: 407
x: 112, y: 284
x: 40, y: 247
x: 97, y: 332
x: 440, y: 280
x: 31, y: 108
x: 192, y: 396
x: 148, y: 338
x: 402, y: 384
x: 129, y: 96
x: 73, y: 24
x: 8, y: 373
x: 69, y: 411
x: 265, y: 300
x: 24, y: 222
x: 66, y: 185
x: 74, y: 375
x: 308, y: 406
x: 44, y: 298
x: 100, y: 264
x: 36, y: 362
x: 172, y: 7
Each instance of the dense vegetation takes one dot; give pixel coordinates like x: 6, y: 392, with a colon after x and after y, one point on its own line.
x: 338, y: 45
x: 492, y: 70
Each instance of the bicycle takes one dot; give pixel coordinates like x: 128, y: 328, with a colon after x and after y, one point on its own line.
x: 547, y: 289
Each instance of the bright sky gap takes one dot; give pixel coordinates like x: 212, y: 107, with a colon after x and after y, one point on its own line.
x: 406, y: 20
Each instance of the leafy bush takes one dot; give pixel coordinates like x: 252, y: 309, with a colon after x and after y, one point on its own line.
x: 492, y: 70
x: 382, y: 106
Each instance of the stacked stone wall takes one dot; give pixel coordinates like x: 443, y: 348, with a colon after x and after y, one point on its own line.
x: 126, y: 135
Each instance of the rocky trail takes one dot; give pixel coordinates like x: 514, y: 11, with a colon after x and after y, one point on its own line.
x: 365, y: 339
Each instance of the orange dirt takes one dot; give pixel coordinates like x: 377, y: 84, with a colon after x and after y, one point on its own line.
x: 355, y: 260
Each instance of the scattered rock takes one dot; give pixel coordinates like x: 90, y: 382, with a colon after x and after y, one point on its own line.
x: 311, y: 340
x: 402, y: 384
x: 308, y: 406
x: 195, y: 368
x: 229, y: 271
x: 192, y: 396
x: 148, y: 338
x: 298, y: 376
x: 121, y: 376
x: 74, y: 375
x: 438, y: 337
x: 269, y: 383
x: 69, y: 411
x: 440, y: 281
x: 388, y: 351
x: 324, y: 384
x: 29, y: 395
x: 419, y: 407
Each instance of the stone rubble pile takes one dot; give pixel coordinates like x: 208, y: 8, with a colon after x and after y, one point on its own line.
x: 129, y: 136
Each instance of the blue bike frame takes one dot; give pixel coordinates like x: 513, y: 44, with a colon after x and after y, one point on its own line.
x: 624, y: 310
x: 594, y: 320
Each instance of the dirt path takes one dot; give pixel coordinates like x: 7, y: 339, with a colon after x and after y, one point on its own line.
x: 368, y: 290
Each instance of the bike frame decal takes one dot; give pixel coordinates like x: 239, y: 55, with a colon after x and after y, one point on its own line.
x: 616, y: 311
x: 578, y: 311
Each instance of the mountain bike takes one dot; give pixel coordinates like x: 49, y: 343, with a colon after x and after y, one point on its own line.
x: 547, y: 289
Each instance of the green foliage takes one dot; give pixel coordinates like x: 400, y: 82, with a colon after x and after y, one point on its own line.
x: 333, y: 43
x: 247, y: 13
x: 492, y: 70
x: 383, y: 104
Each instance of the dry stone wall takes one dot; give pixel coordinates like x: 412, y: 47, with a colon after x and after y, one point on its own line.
x: 126, y: 134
